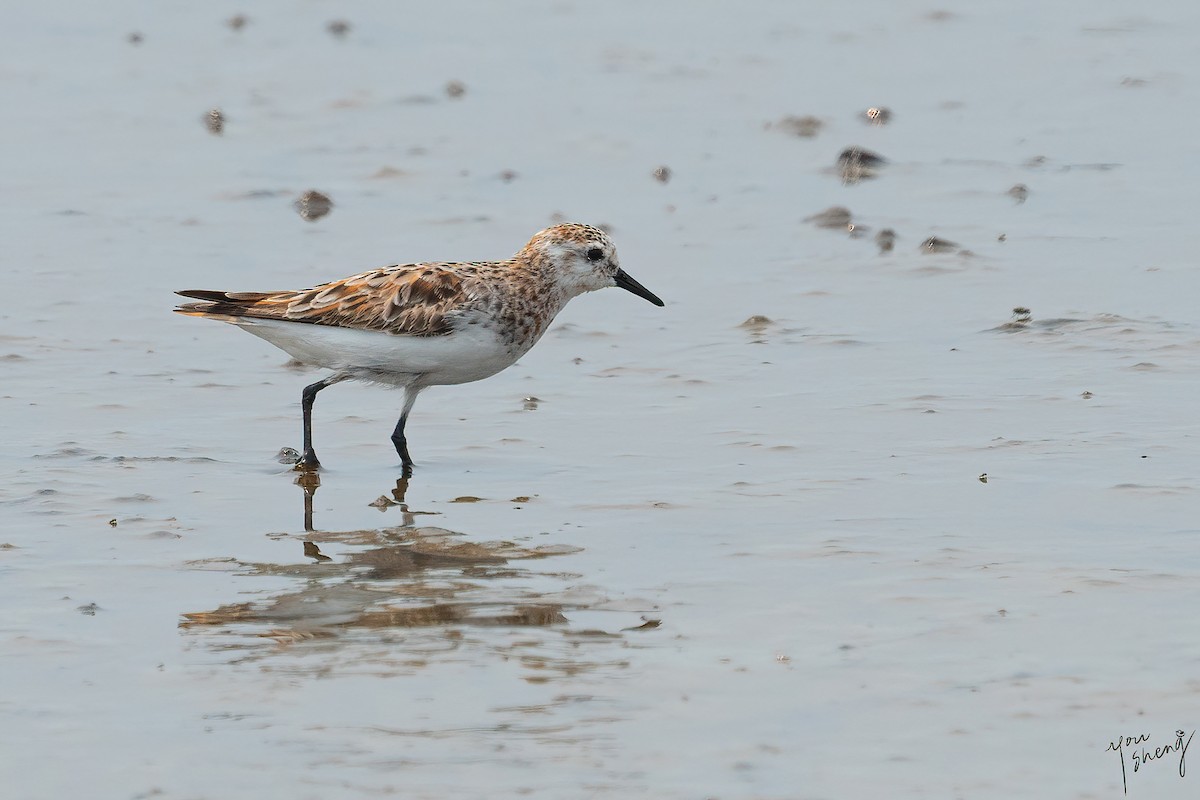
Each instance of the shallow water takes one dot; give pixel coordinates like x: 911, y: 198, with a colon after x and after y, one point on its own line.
x: 887, y: 539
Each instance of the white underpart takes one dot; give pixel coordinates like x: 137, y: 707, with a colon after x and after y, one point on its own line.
x: 470, y: 353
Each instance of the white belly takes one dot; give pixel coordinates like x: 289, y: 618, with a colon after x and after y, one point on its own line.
x: 469, y: 354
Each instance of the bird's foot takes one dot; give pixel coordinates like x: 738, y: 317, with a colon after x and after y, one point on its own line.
x: 406, y: 462
x: 308, y: 462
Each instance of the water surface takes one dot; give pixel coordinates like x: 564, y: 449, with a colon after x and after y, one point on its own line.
x: 885, y: 539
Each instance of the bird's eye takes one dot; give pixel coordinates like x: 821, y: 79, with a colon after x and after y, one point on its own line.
x: 595, y: 254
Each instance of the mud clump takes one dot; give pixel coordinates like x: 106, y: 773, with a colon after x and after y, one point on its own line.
x: 757, y: 326
x: 832, y: 218
x: 886, y: 240
x: 937, y: 245
x: 313, y: 205
x: 1021, y: 319
x: 757, y: 321
x: 214, y: 121
x: 856, y: 164
x: 802, y: 127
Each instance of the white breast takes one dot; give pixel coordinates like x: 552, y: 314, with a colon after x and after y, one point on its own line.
x: 468, y: 354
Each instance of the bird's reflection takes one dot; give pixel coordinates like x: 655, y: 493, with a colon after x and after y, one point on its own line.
x: 312, y: 551
x: 434, y: 584
x: 309, y: 481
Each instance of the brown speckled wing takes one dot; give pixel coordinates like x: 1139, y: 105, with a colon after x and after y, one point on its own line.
x: 413, y: 299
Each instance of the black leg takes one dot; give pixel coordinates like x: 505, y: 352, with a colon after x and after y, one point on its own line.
x: 402, y: 443
x: 309, y: 459
x: 398, y: 438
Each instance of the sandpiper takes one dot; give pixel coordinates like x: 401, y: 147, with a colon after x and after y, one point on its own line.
x: 421, y: 325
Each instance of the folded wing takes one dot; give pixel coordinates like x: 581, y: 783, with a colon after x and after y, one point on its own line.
x: 411, y: 299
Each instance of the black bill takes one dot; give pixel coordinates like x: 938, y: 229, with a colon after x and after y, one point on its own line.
x: 630, y: 285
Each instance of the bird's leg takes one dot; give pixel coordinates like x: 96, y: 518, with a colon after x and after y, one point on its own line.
x: 309, y: 459
x: 401, y: 443
x: 398, y: 438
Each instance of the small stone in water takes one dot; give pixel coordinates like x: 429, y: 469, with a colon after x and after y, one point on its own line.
x: 856, y: 164
x: 886, y: 239
x: 804, y: 127
x: 214, y: 120
x: 878, y: 116
x: 935, y: 245
x: 835, y: 217
x: 313, y: 205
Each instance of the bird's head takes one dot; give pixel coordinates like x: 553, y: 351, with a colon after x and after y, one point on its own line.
x: 581, y: 259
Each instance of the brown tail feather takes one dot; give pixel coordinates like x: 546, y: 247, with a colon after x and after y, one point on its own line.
x: 225, y: 305
x: 222, y: 310
x: 209, y: 310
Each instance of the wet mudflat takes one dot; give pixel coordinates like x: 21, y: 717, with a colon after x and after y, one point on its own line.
x: 842, y: 519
